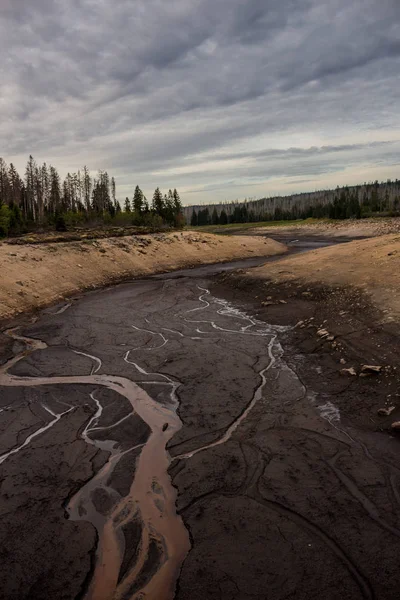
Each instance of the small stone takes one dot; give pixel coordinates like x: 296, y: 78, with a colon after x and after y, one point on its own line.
x: 299, y: 324
x: 322, y: 332
x: 395, y: 425
x: 371, y: 369
x: 385, y: 412
x: 342, y: 361
x: 19, y: 283
x: 282, y: 302
x: 350, y: 371
x: 80, y: 266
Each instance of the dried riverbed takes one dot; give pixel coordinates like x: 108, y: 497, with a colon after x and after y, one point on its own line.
x: 158, y: 441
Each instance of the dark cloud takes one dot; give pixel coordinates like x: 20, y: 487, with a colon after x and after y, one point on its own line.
x: 208, y: 95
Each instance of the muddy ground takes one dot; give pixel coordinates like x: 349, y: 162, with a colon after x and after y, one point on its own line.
x: 287, y: 479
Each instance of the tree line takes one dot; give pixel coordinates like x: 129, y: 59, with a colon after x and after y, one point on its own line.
x: 41, y: 199
x: 345, y: 203
x: 167, y: 208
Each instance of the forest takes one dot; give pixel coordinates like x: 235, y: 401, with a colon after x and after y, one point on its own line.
x: 41, y: 200
x: 369, y: 199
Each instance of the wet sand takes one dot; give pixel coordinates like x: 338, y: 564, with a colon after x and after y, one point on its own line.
x: 172, y: 437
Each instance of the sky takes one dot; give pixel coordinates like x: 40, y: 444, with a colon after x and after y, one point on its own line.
x: 222, y: 99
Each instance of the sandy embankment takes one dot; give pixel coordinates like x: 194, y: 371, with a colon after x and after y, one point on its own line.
x: 36, y: 275
x: 349, y: 228
x: 372, y: 265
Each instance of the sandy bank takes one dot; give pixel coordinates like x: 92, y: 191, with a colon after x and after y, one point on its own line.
x: 32, y: 276
x: 372, y: 265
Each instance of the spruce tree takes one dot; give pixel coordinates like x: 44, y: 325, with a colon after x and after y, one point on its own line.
x: 223, y: 217
x: 157, y: 204
x: 138, y: 201
x: 127, y: 206
x: 193, y: 220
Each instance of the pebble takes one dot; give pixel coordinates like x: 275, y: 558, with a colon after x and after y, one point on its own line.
x: 350, y: 371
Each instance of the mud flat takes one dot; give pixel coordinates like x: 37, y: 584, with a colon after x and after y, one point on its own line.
x: 193, y: 437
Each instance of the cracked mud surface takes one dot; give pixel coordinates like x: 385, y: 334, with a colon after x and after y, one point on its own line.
x: 278, y: 493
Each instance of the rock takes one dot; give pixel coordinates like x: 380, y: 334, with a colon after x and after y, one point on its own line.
x: 267, y: 303
x: 102, y: 250
x: 385, y: 412
x: 269, y: 297
x: 350, y: 371
x: 342, y: 361
x: 19, y: 283
x: 299, y: 324
x: 282, y: 302
x: 165, y: 427
x: 395, y: 425
x: 80, y: 266
x: 371, y: 369
x: 306, y: 293
x: 322, y: 332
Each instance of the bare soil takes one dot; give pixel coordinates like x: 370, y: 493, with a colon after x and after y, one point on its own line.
x: 371, y: 265
x: 35, y: 275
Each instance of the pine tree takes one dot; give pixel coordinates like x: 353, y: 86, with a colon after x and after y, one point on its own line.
x: 138, y: 201
x: 4, y: 183
x: 214, y: 217
x: 15, y: 185
x: 193, y: 220
x: 55, y: 191
x: 158, y: 203
x: 39, y: 195
x: 30, y: 188
x: 113, y: 191
x: 87, y: 187
x: 127, y: 206
x: 223, y: 217
x: 169, y: 208
x: 177, y: 202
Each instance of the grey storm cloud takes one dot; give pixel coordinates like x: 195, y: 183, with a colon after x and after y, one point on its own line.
x: 205, y: 95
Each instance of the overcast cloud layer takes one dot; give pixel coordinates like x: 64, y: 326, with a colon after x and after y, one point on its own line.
x: 220, y: 98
